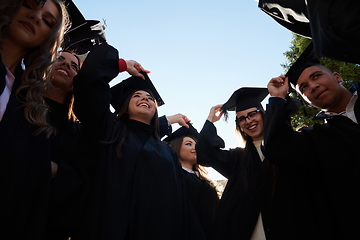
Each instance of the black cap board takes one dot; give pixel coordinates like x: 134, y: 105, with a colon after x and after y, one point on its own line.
x: 122, y: 90
x: 306, y: 59
x: 83, y: 34
x: 333, y: 26
x: 245, y: 98
x: 183, y: 132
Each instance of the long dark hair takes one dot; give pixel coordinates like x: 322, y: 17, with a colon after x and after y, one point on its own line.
x: 123, y: 116
x: 176, y: 144
x: 244, y: 165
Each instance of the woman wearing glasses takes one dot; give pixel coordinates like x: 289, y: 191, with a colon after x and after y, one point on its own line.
x: 255, y: 203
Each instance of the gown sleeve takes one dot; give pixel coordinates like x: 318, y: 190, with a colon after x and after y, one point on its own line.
x: 165, y: 128
x: 210, y: 153
x: 283, y: 145
x: 92, y: 92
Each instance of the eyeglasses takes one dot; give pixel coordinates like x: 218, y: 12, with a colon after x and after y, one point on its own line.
x: 251, y: 116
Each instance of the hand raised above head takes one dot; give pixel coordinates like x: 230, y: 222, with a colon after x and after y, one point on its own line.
x: 179, y: 118
x: 215, y: 113
x: 134, y: 68
x: 278, y: 86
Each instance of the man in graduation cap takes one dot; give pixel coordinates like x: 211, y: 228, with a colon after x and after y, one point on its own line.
x: 328, y: 151
x: 256, y: 203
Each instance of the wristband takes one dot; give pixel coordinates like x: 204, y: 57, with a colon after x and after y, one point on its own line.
x: 122, y: 65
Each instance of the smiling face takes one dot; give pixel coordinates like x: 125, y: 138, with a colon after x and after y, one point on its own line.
x: 320, y: 87
x: 32, y: 24
x: 187, y: 152
x: 64, y: 69
x: 142, y: 107
x: 253, y: 126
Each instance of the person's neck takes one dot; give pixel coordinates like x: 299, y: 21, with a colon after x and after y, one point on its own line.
x: 56, y: 95
x: 187, y: 165
x: 343, y: 101
x: 141, y: 120
x: 11, y: 54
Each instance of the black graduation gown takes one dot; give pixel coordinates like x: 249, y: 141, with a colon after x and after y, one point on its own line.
x: 205, y: 200
x: 142, y: 194
x: 333, y: 25
x: 240, y: 206
x: 330, y: 154
x: 71, y: 150
x: 25, y: 173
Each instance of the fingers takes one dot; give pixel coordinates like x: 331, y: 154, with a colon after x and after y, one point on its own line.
x: 278, y: 86
x: 134, y: 68
x: 184, y: 121
x: 179, y: 118
x: 216, y: 108
x: 277, y: 81
x: 135, y: 73
x: 214, y: 114
x: 139, y: 68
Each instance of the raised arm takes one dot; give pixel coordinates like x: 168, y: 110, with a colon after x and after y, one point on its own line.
x: 209, y: 147
x: 91, y: 88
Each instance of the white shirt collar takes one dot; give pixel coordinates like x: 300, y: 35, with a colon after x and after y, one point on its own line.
x: 349, y: 112
x: 191, y: 171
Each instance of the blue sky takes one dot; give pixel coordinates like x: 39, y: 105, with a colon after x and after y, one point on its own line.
x: 199, y: 52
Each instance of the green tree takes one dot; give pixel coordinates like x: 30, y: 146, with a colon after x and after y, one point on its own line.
x: 350, y: 74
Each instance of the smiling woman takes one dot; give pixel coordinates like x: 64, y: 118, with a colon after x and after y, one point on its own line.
x: 255, y: 197
x: 63, y: 70
x: 138, y: 189
x: 30, y: 34
x: 142, y: 106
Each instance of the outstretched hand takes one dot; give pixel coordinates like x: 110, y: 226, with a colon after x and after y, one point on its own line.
x: 278, y: 86
x: 215, y: 114
x: 179, y: 118
x: 134, y: 68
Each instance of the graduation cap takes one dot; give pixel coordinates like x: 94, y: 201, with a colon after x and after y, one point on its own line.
x: 244, y: 98
x: 183, y: 132
x: 83, y: 34
x: 307, y: 59
x: 334, y: 26
x: 122, y: 90
x: 290, y: 14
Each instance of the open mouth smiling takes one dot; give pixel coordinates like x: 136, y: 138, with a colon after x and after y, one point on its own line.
x: 144, y: 105
x: 62, y: 71
x: 252, y: 127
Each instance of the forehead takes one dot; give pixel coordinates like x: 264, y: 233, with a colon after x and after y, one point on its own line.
x: 142, y: 92
x: 245, y: 112
x: 188, y: 139
x: 50, y: 7
x: 307, y: 73
x: 69, y: 56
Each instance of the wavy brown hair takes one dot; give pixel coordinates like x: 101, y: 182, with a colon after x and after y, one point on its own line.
x: 36, y: 63
x: 176, y: 145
